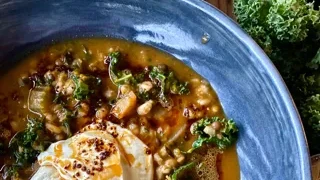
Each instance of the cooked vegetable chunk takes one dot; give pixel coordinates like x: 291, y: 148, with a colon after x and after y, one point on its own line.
x: 40, y: 99
x: 125, y: 105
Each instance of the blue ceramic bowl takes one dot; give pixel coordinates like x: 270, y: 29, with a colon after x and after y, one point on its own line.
x: 272, y: 143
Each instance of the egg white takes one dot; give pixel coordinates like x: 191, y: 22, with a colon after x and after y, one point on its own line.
x: 106, y: 150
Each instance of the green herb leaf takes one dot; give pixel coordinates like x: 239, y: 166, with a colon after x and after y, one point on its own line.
x: 119, y: 77
x: 11, y: 172
x: 26, y: 145
x: 168, y: 84
x: 66, y: 124
x: 175, y: 86
x: 228, y: 132
x: 82, y: 89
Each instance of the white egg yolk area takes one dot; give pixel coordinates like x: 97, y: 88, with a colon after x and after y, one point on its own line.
x: 98, y: 151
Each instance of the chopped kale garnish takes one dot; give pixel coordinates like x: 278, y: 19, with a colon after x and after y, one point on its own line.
x: 175, y: 86
x: 124, y: 77
x: 168, y: 84
x: 144, y: 96
x: 10, y: 172
x: 114, y: 60
x: 82, y: 89
x: 158, y: 77
x: 66, y: 124
x: 223, y: 137
x: 119, y: 77
x: 26, y: 145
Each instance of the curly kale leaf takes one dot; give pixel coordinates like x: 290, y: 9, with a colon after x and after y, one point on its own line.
x: 315, y: 62
x: 114, y: 60
x: 168, y: 81
x: 289, y: 32
x: 168, y: 84
x: 85, y: 85
x: 284, y: 29
x: 144, y: 96
x: 223, y: 138
x: 310, y: 112
x: 175, y: 86
x: 252, y: 15
x: 286, y: 21
x: 81, y: 91
x: 10, y: 172
x: 292, y: 20
x: 158, y: 77
x: 26, y: 145
x: 309, y: 103
x: 119, y: 77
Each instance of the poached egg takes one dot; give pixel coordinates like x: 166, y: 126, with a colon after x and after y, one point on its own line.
x: 99, y: 151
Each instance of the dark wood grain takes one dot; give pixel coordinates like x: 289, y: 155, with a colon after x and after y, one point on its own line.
x: 224, y: 5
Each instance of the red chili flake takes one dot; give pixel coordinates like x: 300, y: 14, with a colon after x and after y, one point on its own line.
x: 104, y: 155
x: 88, y: 171
x: 67, y: 166
x: 99, y: 169
x: 148, y: 151
x: 74, y: 165
x: 84, y: 168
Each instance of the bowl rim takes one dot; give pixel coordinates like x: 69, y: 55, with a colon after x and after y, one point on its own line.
x: 256, y: 51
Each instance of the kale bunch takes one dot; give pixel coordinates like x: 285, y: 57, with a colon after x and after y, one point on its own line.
x: 289, y: 32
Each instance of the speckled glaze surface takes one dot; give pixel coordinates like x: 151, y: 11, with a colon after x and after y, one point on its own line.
x: 272, y: 144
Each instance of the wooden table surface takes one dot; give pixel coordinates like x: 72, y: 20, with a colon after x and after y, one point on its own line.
x: 227, y: 7
x: 224, y: 5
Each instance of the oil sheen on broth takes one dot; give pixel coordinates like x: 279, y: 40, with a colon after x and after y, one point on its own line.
x: 56, y: 92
